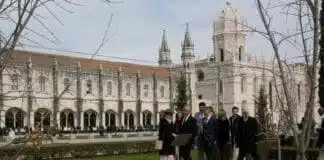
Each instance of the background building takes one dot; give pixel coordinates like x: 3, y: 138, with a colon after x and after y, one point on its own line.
x: 70, y: 91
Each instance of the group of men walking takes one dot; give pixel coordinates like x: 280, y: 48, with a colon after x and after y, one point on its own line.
x: 214, y: 136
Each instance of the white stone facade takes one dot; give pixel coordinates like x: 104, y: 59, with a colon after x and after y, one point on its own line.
x: 77, y: 92
x: 70, y: 91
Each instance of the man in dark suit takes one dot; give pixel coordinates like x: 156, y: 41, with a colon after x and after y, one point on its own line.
x: 320, y: 130
x: 247, y: 136
x: 209, y: 134
x: 188, y: 126
x: 233, y: 130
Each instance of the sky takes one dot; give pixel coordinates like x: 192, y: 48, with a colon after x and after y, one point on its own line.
x: 137, y: 25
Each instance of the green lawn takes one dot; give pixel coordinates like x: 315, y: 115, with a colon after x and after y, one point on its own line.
x: 149, y: 156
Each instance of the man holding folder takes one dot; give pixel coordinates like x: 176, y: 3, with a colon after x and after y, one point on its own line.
x: 188, y: 126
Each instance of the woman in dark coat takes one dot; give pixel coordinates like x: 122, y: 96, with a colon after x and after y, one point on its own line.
x: 166, y: 129
x: 223, y: 136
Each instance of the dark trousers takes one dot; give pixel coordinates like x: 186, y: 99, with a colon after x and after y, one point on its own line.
x: 210, y: 152
x: 223, y: 151
x: 248, y: 149
x: 185, y: 152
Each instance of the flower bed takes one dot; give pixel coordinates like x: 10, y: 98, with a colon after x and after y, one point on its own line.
x: 78, y: 150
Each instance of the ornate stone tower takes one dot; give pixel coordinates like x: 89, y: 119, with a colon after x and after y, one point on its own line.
x: 228, y: 36
x: 164, y: 53
x: 188, y: 69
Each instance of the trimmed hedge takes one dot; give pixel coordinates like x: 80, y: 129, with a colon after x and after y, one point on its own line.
x: 78, y: 150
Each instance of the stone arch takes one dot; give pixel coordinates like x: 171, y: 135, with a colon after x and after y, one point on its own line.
x: 129, y: 118
x: 14, y: 118
x: 67, y: 118
x: 110, y: 118
x: 90, y: 119
x: 200, y: 75
x: 42, y: 117
x: 147, y: 118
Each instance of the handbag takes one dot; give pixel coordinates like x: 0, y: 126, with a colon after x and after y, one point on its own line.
x: 158, y: 144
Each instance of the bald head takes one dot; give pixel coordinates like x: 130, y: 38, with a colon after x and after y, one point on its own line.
x: 186, y: 111
x: 245, y: 112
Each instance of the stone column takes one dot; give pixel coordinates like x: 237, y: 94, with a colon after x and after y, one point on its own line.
x: 138, y: 99
x: 14, y: 119
x: 58, y: 119
x: 155, y: 99
x: 66, y: 119
x: 141, y: 119
x: 81, y: 120
x: 104, y: 120
x: 122, y: 119
x: 2, y: 118
x: 120, y: 98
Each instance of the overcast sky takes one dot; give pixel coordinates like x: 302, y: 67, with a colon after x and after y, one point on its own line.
x: 137, y: 27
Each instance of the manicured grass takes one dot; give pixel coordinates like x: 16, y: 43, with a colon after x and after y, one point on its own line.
x: 149, y: 156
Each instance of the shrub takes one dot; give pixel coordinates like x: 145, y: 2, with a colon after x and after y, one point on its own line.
x: 78, y: 150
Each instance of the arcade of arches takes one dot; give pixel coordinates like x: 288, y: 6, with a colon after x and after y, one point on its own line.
x: 16, y: 118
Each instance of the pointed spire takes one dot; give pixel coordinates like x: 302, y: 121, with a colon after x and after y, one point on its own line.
x: 187, y: 42
x: 164, y: 43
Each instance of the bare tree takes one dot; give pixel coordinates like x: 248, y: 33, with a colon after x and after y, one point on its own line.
x: 306, y: 13
x: 18, y: 14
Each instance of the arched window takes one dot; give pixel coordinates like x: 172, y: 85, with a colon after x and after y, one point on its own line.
x: 89, y: 87
x: 222, y: 56
x: 298, y: 92
x: 200, y: 75
x: 42, y: 82
x: 255, y: 89
x: 128, y: 89
x: 220, y: 86
x: 270, y: 95
x: 66, y: 83
x: 109, y: 88
x: 14, y: 79
x: 240, y: 53
x: 145, y: 90
x: 162, y: 91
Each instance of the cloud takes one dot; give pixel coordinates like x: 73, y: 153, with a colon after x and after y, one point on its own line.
x: 138, y: 26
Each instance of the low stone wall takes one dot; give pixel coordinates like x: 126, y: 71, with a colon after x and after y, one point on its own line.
x: 96, y: 135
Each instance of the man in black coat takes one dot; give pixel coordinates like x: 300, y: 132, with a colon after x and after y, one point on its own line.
x: 209, y: 134
x: 320, y: 132
x: 188, y: 126
x: 247, y: 136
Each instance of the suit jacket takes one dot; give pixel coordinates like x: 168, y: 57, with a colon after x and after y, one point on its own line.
x: 189, y: 126
x: 165, y: 134
x: 223, y: 134
x: 209, y: 135
x: 247, y: 134
x: 320, y: 140
x: 199, y: 117
x: 233, y: 122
